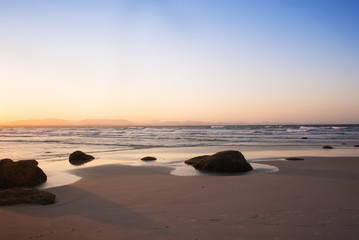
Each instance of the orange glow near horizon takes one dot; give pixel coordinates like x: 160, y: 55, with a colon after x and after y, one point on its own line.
x: 179, y: 62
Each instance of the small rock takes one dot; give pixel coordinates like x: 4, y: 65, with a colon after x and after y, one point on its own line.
x: 18, y: 195
x: 304, y: 137
x: 327, y: 147
x: 294, y: 158
x: 78, y: 158
x: 148, y: 158
x: 357, y: 145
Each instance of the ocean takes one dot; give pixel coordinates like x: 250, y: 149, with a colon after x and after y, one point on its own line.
x: 56, y: 143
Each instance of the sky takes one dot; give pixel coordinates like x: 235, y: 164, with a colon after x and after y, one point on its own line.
x: 272, y: 61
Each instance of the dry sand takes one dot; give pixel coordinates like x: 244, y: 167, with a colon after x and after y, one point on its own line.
x: 312, y: 199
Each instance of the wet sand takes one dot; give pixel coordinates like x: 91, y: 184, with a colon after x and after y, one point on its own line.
x: 312, y: 199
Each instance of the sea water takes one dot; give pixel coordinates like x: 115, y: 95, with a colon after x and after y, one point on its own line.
x: 56, y: 143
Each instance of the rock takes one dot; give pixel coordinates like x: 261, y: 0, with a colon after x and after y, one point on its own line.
x: 20, y: 173
x: 294, y: 159
x: 304, y: 137
x: 225, y: 161
x: 78, y: 158
x: 148, y: 158
x: 4, y: 161
x: 327, y: 147
x: 17, y: 195
x: 357, y: 145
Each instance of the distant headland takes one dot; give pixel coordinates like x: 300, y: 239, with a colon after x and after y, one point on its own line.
x: 54, y: 122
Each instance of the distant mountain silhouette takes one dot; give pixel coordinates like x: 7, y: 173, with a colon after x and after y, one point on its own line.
x: 106, y: 122
x: 62, y: 122
x: 101, y: 122
x: 179, y: 123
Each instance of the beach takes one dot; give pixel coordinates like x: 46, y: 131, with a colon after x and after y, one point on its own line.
x: 118, y: 196
x: 179, y: 120
x: 311, y: 199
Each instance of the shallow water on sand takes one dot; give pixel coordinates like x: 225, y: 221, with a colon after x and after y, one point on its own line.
x: 191, y: 171
x: 59, y: 172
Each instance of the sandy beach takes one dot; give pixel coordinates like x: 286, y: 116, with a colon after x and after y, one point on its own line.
x: 312, y: 199
x: 103, y: 103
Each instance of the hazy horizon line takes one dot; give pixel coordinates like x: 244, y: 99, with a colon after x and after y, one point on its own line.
x: 57, y: 122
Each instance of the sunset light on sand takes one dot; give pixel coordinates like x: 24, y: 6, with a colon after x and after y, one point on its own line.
x: 179, y: 119
x: 230, y: 61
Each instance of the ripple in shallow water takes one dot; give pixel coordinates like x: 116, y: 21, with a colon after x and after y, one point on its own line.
x: 258, y: 168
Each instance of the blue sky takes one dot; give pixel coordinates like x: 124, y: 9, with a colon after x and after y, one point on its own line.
x: 237, y: 61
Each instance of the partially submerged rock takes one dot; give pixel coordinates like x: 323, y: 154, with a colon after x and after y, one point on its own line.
x: 327, y: 147
x: 20, y: 173
x: 18, y: 195
x: 148, y: 158
x: 225, y: 161
x: 79, y: 158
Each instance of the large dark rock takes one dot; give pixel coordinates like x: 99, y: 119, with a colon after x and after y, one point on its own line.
x: 327, y: 147
x: 356, y: 145
x: 225, y: 161
x: 79, y: 158
x: 20, y: 173
x: 17, y: 195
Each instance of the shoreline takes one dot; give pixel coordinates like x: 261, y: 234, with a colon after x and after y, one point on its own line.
x: 311, y: 199
x: 62, y: 172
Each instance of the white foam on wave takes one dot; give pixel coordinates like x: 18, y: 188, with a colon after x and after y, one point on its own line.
x: 293, y: 130
x: 338, y: 128
x: 314, y: 128
x: 307, y: 129
x: 158, y: 130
